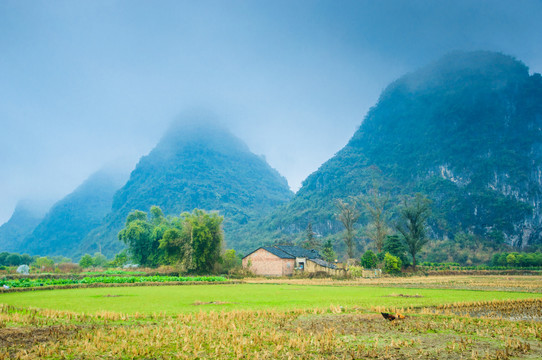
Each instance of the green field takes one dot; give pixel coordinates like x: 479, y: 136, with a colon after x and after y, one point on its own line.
x: 180, y: 299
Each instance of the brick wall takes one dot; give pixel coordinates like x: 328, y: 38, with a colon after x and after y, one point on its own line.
x: 267, y: 264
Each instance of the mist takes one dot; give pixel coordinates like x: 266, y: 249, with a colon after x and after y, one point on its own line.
x: 89, y: 83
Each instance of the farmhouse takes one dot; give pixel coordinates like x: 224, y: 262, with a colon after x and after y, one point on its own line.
x: 284, y: 260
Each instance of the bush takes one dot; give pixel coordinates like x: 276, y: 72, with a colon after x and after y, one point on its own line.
x: 69, y: 267
x: 369, y: 260
x: 392, y: 264
x: 86, y: 261
x: 355, y: 271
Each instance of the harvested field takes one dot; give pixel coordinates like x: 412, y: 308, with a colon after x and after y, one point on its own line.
x: 265, y: 321
x: 527, y: 283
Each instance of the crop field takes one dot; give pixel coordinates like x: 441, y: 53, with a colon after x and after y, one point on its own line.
x: 309, y: 319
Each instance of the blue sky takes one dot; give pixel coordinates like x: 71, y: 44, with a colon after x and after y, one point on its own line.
x: 89, y: 83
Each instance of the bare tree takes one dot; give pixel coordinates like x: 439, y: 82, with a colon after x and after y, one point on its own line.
x: 348, y: 215
x: 376, y: 205
x: 414, y: 216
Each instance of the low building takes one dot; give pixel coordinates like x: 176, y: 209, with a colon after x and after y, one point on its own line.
x: 285, y: 260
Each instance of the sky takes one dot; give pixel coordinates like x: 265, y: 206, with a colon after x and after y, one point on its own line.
x: 90, y: 83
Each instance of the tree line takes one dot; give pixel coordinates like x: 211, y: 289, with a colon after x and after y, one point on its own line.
x: 407, y: 234
x: 192, y: 241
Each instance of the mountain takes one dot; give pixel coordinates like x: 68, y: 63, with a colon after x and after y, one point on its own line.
x: 197, y: 164
x: 72, y: 218
x: 464, y: 130
x: 27, y: 215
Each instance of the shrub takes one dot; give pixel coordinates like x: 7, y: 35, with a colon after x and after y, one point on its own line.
x: 392, y: 264
x: 369, y: 260
x: 86, y: 261
x: 355, y: 271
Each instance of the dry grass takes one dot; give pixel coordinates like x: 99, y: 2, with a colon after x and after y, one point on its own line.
x: 527, y: 283
x: 476, y: 330
x: 335, y: 333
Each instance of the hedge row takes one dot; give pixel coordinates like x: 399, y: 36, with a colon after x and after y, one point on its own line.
x: 29, y: 283
x: 101, y: 285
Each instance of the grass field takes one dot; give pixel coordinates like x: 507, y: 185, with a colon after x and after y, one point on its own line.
x: 179, y: 299
x: 293, y: 319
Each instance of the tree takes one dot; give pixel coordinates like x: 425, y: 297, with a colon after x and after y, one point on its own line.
x: 376, y: 205
x: 414, y: 215
x: 45, y: 263
x: 99, y: 260
x: 230, y: 260
x: 348, y: 215
x: 327, y: 252
x: 86, y: 261
x: 13, y: 259
x: 396, y: 247
x: 206, y: 237
x: 369, y: 260
x: 392, y: 264
x: 177, y: 246
x: 310, y: 241
x: 120, y: 259
x: 137, y: 235
x: 511, y: 259
x: 192, y: 241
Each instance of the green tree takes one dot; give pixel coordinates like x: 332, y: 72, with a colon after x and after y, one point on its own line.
x: 396, y: 247
x: 392, y: 264
x: 348, y: 215
x: 120, y: 259
x: 369, y: 260
x: 99, y: 260
x: 3, y: 257
x: 192, y: 241
x: 137, y: 235
x: 177, y: 246
x: 327, y: 252
x: 157, y: 215
x: 511, y: 260
x: 310, y: 240
x: 13, y: 260
x: 86, y: 261
x: 206, y: 237
x: 44, y: 262
x: 230, y: 260
x: 414, y: 215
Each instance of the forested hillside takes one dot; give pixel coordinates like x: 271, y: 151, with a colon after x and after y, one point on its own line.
x: 25, y: 218
x: 465, y: 131
x: 71, y: 219
x: 201, y: 165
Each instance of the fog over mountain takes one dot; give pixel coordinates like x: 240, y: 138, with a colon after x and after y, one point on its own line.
x: 87, y: 83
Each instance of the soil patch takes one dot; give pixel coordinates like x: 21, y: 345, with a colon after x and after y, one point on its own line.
x: 17, y: 338
x: 198, y: 303
x: 404, y: 295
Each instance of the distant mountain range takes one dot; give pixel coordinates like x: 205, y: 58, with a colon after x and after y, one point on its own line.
x: 72, y: 218
x: 27, y: 215
x: 465, y: 130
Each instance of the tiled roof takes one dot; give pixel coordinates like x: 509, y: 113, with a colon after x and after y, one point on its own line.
x: 289, y: 252
x: 298, y: 251
x: 324, y: 263
x: 278, y: 252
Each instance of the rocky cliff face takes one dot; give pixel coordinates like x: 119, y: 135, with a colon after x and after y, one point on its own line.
x: 465, y: 130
